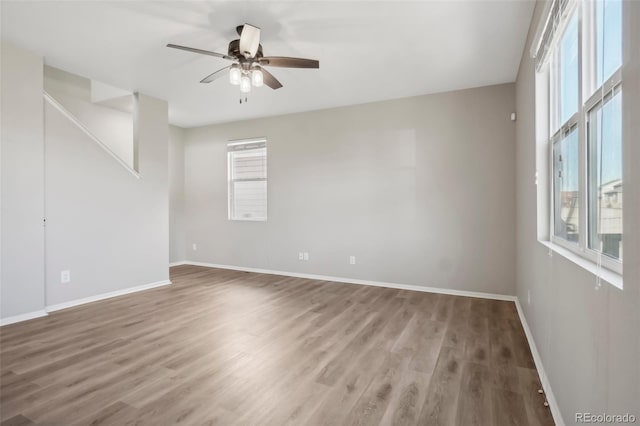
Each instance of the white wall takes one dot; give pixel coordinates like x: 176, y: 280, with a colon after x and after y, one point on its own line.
x: 588, y: 339
x: 22, y: 196
x: 108, y: 228
x: 177, y: 242
x: 420, y: 190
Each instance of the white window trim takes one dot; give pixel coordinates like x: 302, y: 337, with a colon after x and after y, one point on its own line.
x: 599, y: 264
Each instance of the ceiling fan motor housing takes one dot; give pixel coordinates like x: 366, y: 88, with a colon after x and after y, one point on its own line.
x: 234, y: 50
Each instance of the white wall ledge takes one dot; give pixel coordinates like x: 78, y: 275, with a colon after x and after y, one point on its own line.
x: 65, y: 112
x: 604, y: 274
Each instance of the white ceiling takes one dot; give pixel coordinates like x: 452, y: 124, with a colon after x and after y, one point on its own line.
x: 368, y: 51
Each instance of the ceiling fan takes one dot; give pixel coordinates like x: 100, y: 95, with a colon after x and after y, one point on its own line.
x: 248, y: 61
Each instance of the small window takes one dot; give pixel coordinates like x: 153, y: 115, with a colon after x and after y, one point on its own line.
x: 247, y: 175
x: 605, y: 177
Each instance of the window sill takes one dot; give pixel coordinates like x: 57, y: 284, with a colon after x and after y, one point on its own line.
x: 605, y: 274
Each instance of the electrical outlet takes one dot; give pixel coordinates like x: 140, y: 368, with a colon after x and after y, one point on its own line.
x: 65, y: 276
x: 195, y: 247
x: 528, y: 297
x: 306, y: 256
x: 300, y: 256
x: 352, y: 260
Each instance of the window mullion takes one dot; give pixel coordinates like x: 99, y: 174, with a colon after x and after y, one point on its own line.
x: 583, y: 75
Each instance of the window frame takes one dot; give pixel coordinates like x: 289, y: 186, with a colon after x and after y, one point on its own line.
x: 590, y: 96
x: 230, y: 181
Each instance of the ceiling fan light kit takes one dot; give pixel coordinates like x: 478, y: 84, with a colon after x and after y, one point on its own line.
x: 257, y: 78
x: 245, y: 84
x: 248, y: 61
x: 235, y: 74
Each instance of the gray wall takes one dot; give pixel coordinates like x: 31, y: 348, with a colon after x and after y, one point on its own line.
x: 588, y: 339
x: 22, y: 196
x: 177, y: 242
x: 108, y: 228
x: 421, y: 190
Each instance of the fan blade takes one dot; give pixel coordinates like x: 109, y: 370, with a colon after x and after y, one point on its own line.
x: 202, y: 52
x: 215, y: 75
x: 249, y: 40
x: 270, y: 80
x: 282, y: 61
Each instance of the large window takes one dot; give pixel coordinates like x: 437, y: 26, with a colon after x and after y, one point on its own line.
x: 582, y: 54
x: 247, y: 175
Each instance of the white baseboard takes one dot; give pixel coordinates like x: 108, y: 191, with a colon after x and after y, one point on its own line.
x: 546, y: 386
x: 22, y: 317
x: 181, y: 262
x: 65, y: 305
x: 103, y: 296
x: 359, y: 281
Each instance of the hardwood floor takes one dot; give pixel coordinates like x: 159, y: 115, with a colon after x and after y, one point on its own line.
x: 226, y: 347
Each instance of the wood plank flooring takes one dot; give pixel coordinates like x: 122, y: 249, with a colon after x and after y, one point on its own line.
x: 236, y: 348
